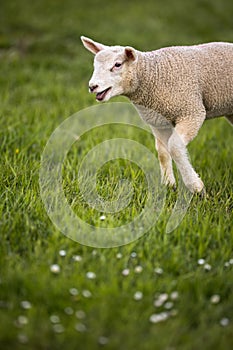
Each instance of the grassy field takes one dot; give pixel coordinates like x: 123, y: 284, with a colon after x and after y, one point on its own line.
x: 107, y: 298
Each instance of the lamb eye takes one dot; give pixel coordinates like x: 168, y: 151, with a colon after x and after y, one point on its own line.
x: 117, y: 65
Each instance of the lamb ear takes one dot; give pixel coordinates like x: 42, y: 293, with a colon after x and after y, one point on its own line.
x: 130, y: 53
x: 92, y: 46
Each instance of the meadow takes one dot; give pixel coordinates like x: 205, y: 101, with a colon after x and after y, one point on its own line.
x: 162, y: 291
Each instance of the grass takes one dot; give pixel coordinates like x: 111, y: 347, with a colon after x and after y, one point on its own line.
x: 43, y: 80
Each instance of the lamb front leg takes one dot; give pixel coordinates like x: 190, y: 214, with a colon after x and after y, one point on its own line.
x: 162, y: 135
x: 182, y: 134
x: 165, y: 161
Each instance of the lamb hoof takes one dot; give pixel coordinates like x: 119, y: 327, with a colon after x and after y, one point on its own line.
x: 171, y: 185
x: 202, y: 194
x: 196, y: 187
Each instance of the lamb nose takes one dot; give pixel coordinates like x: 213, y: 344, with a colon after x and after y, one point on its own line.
x: 92, y: 87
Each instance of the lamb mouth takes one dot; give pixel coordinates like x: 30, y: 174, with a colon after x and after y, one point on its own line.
x: 101, y: 95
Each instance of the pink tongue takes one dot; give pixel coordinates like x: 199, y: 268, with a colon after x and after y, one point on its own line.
x: 100, y: 95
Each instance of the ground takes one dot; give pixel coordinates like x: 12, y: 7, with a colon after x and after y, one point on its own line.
x: 56, y: 293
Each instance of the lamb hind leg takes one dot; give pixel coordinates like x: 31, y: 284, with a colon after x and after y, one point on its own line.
x: 183, y: 133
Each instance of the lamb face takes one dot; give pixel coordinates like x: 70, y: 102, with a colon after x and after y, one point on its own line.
x: 109, y: 67
x: 113, y: 69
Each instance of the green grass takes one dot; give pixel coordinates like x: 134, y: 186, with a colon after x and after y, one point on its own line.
x: 44, y: 71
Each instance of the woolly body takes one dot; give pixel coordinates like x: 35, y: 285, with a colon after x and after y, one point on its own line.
x: 179, y: 81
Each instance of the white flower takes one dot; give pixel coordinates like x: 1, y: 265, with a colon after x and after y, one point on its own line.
x: 55, y: 268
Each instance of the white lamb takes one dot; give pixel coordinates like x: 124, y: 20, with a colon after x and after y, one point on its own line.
x: 174, y: 89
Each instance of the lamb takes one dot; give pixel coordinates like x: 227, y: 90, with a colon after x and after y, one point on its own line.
x: 174, y: 89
